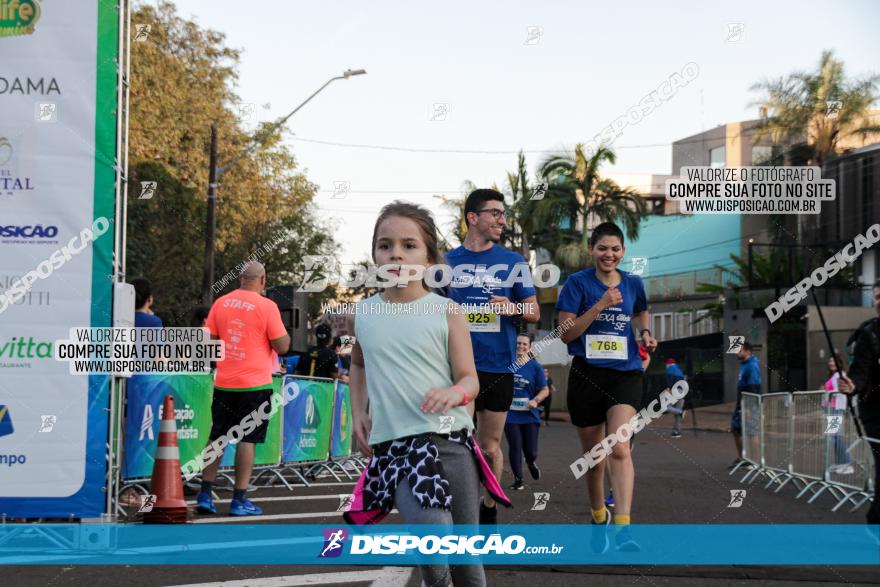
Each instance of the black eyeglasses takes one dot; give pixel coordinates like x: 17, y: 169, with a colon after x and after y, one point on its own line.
x: 496, y: 213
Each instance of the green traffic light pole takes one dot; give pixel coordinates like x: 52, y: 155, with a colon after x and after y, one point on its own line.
x: 216, y: 172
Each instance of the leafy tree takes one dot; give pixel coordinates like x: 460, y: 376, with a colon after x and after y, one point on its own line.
x: 799, y: 112
x: 183, y: 81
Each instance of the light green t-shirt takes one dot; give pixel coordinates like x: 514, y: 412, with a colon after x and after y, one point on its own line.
x: 406, y: 353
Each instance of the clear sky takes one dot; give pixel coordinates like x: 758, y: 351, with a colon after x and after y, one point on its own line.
x: 585, y: 66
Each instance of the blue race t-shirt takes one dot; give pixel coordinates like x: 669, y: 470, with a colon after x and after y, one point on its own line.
x: 609, y: 341
x: 144, y: 320
x: 476, y: 278
x: 528, y: 380
x: 749, y: 376
x: 673, y: 374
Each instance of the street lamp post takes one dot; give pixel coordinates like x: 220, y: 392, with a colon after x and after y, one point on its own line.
x: 216, y: 172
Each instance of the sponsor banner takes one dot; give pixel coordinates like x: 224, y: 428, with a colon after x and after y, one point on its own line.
x: 340, y: 439
x: 266, y: 453
x: 515, y: 544
x: 57, y: 152
x: 307, y: 419
x: 192, y: 412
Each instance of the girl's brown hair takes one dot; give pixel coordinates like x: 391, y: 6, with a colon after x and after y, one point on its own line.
x: 417, y: 214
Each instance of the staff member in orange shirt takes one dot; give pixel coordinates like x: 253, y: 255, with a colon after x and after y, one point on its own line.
x: 251, y: 328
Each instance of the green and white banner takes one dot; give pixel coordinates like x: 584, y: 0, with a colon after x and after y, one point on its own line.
x: 58, y: 92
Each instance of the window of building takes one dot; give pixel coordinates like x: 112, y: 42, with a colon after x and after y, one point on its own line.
x: 767, y: 155
x: 662, y: 326
x: 761, y: 154
x: 706, y: 325
x: 718, y: 157
x: 683, y: 327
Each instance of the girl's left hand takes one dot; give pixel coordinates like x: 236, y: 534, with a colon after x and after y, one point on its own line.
x: 533, y: 403
x: 441, y: 399
x: 650, y: 342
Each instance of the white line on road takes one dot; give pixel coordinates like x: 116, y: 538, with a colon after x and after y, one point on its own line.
x: 282, y: 498
x: 260, y: 518
x: 295, y: 486
x: 386, y: 576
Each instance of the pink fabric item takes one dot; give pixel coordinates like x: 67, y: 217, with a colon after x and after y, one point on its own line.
x: 488, y: 477
x: 357, y: 515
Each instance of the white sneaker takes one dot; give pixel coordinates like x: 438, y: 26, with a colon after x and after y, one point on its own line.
x: 843, y: 469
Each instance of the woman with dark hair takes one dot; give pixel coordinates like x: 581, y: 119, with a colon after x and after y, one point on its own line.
x: 602, y: 305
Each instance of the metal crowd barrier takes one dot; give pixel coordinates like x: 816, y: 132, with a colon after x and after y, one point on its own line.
x: 336, y: 456
x: 808, y: 439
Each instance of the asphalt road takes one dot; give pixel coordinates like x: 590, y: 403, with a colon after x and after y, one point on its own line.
x: 678, y: 481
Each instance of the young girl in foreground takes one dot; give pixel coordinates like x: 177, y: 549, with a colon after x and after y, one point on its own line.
x: 413, y: 361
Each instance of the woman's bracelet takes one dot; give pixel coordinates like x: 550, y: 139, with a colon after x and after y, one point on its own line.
x: 465, y: 400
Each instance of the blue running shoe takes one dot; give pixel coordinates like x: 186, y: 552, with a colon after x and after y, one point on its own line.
x: 244, y: 508
x: 599, y: 535
x: 609, y: 501
x: 624, y: 541
x: 205, y: 504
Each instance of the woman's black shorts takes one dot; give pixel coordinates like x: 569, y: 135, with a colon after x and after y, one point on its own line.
x: 593, y: 390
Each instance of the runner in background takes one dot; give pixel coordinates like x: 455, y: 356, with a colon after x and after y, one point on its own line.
x: 413, y: 364
x: 486, y: 273
x: 523, y: 420
x: 603, y: 304
x: 748, y: 381
x: 251, y: 329
x: 674, y: 374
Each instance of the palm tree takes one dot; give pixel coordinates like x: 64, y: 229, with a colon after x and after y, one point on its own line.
x: 522, y: 208
x: 576, y: 193
x: 458, y: 224
x: 800, y: 110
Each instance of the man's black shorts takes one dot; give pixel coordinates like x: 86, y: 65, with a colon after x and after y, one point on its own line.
x: 230, y: 408
x: 496, y: 391
x: 593, y: 390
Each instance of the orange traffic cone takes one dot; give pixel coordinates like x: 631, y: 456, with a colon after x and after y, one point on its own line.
x: 167, y: 484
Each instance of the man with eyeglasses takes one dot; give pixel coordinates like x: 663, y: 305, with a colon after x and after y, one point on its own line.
x: 494, y: 286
